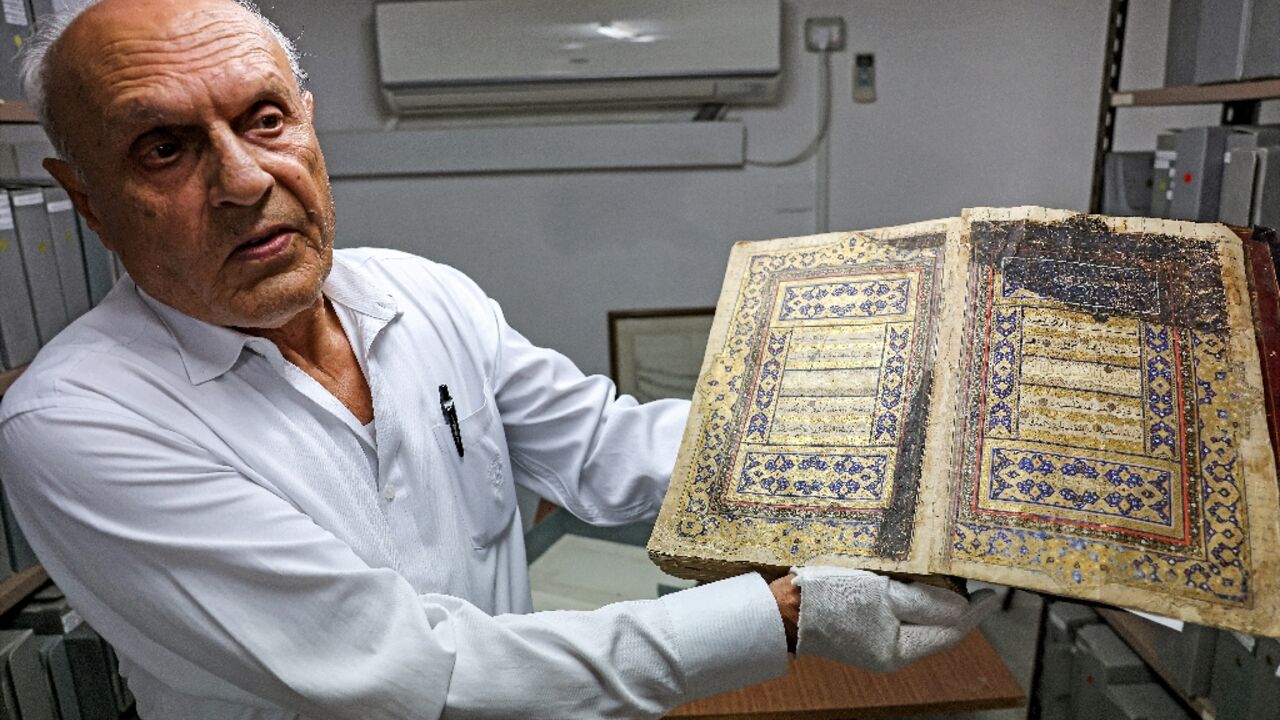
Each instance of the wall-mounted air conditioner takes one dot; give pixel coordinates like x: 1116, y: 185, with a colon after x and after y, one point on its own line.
x: 470, y: 55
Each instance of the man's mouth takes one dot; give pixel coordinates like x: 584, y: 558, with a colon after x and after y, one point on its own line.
x: 265, y: 244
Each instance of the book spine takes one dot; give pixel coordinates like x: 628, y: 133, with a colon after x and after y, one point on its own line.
x: 1264, y: 295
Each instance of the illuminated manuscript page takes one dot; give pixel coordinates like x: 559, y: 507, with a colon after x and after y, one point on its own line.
x: 1112, y: 443
x: 1052, y: 401
x: 807, y: 436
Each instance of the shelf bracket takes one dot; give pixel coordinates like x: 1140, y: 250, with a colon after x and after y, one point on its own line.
x: 1116, y: 22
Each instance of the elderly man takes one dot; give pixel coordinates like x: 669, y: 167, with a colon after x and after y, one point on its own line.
x: 280, y: 479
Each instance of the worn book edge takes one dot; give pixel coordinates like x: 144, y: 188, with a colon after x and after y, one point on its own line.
x: 1254, y: 450
x: 929, y: 552
x: 691, y: 559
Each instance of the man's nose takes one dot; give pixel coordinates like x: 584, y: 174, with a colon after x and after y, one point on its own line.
x: 237, y: 176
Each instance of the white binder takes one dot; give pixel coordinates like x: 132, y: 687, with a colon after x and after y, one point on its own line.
x: 37, y: 256
x: 18, y: 339
x: 67, y: 252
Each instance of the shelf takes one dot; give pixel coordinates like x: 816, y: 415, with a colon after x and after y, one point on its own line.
x: 8, y: 377
x: 1199, y: 94
x: 16, y: 111
x: 16, y: 588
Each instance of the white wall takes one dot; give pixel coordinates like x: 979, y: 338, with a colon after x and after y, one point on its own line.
x: 980, y: 102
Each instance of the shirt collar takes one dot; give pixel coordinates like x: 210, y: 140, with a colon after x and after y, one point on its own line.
x: 351, y: 287
x: 208, y: 351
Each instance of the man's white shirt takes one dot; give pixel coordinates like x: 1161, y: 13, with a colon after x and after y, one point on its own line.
x: 251, y: 551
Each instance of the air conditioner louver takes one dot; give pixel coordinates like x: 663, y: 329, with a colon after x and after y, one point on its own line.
x: 470, y: 55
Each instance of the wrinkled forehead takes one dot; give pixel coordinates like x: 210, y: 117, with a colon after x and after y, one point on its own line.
x: 117, y: 50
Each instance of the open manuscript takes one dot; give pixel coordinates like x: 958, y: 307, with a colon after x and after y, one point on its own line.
x: 1060, y: 402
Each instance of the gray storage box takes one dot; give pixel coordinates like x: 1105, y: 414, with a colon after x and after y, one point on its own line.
x: 57, y: 668
x: 17, y: 26
x: 1163, y: 168
x: 1126, y: 185
x: 1147, y: 701
x: 8, y: 161
x: 1220, y: 42
x: 119, y: 688
x: 22, y: 677
x: 1197, y: 186
x: 1239, y: 181
x: 1187, y: 656
x: 1238, y: 198
x: 1184, y: 33
x: 30, y: 156
x: 1064, y: 620
x: 1266, y: 685
x: 1262, y: 50
x: 1102, y: 660
x: 1231, y: 689
x: 48, y: 617
x: 1266, y: 205
x: 91, y: 672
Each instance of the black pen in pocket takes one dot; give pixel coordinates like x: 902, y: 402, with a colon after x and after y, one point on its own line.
x: 451, y: 416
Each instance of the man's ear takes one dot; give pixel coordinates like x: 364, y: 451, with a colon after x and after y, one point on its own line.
x: 70, y: 180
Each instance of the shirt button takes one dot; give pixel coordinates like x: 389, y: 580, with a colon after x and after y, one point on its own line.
x: 389, y: 491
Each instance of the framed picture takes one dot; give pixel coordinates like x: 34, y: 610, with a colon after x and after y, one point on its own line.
x: 657, y: 354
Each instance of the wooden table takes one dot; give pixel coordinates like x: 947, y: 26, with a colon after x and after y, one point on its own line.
x: 971, y: 676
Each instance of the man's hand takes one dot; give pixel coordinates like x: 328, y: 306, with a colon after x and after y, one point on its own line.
x: 787, y: 593
x: 869, y: 620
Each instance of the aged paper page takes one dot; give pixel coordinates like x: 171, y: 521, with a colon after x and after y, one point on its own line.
x: 807, y: 436
x: 1113, y: 444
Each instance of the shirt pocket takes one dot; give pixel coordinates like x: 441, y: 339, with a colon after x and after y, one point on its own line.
x: 482, y: 482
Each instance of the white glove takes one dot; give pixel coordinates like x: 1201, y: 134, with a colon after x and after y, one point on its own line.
x: 869, y: 620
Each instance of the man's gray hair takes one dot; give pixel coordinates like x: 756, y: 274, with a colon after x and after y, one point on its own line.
x: 33, y: 70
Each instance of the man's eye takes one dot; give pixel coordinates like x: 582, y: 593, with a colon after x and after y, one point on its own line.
x: 164, y: 151
x: 269, y: 121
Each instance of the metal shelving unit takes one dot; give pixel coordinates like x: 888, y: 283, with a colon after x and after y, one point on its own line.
x: 1240, y: 101
x: 1245, y: 91
x: 1138, y: 633
x: 15, y: 589
x: 14, y: 111
x: 18, y: 587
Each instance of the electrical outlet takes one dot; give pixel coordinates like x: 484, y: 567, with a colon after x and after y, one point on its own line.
x: 824, y: 34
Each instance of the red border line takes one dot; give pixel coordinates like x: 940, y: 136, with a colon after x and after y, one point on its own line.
x: 1183, y: 541
x: 768, y: 329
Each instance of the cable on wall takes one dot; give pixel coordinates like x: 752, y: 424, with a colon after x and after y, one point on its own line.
x: 824, y: 114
